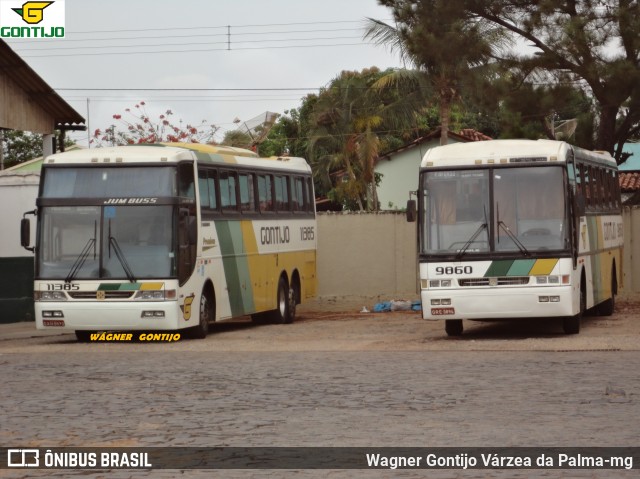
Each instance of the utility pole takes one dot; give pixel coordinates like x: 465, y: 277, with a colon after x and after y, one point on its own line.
x: 1, y: 149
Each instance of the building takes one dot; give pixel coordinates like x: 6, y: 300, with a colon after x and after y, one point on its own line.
x: 27, y: 103
x: 399, y: 168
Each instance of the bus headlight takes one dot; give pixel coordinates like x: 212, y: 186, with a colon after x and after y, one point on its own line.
x: 149, y: 296
x: 49, y: 296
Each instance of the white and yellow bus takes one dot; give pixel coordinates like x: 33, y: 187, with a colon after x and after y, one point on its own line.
x: 518, y: 229
x: 171, y: 236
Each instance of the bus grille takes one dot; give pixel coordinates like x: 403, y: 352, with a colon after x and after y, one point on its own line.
x: 107, y: 294
x: 500, y: 281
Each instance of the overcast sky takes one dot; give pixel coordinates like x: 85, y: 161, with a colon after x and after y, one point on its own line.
x: 293, y: 45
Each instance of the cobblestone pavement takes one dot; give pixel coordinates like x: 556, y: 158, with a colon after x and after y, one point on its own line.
x: 152, y: 397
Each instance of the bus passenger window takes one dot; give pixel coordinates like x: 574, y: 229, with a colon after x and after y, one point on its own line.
x: 213, y: 188
x: 265, y: 194
x: 282, y: 193
x: 297, y: 195
x: 247, y: 201
x: 228, y: 197
x: 186, y: 182
x: 203, y: 186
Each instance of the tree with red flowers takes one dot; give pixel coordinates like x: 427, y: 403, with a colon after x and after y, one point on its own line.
x: 137, y: 127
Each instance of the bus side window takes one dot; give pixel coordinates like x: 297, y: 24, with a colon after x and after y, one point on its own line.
x: 615, y: 190
x: 203, y: 186
x: 297, y: 195
x: 579, y: 179
x: 247, y: 201
x: 282, y: 193
x: 265, y: 192
x: 228, y: 198
x: 213, y: 190
x: 186, y: 182
x: 311, y: 204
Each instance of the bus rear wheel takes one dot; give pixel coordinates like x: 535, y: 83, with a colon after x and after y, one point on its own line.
x: 284, y: 312
x: 453, y: 327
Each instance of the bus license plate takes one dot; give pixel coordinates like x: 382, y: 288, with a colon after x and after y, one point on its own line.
x: 442, y: 311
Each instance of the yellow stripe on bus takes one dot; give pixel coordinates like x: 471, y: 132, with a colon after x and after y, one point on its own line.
x: 543, y: 267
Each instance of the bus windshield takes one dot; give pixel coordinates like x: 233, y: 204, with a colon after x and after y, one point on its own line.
x: 106, y: 242
x: 518, y: 209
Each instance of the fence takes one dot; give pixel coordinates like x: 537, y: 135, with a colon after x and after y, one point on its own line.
x: 374, y: 254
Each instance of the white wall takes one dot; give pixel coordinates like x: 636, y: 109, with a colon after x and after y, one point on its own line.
x: 18, y: 192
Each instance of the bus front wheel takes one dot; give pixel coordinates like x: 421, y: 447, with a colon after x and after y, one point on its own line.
x: 453, y: 327
x: 571, y: 324
x: 205, y: 314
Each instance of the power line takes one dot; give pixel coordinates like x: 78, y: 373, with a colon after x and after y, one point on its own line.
x: 197, y: 43
x: 67, y: 40
x: 195, y: 51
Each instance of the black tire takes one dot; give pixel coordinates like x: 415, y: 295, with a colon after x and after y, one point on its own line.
x: 292, y: 303
x: 453, y: 327
x: 282, y: 313
x: 83, y: 336
x: 571, y: 324
x: 204, y: 317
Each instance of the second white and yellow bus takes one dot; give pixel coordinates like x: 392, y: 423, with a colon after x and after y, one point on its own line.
x: 518, y: 229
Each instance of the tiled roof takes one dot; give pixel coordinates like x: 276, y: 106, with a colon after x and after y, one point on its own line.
x: 474, y: 135
x: 629, y: 181
x: 465, y: 135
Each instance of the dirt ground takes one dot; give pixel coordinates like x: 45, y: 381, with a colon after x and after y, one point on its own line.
x: 339, y: 324
x: 408, y: 331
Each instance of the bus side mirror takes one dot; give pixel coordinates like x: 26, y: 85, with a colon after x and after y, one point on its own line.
x: 25, y: 232
x: 411, y: 211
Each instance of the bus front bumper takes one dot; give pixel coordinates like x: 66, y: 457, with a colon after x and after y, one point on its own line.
x: 85, y: 316
x: 498, y: 303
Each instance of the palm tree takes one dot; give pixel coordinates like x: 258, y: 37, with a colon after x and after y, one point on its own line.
x: 346, y: 135
x: 444, y: 44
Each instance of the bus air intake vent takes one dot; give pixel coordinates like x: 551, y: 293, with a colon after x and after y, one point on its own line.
x: 499, y: 281
x: 107, y: 294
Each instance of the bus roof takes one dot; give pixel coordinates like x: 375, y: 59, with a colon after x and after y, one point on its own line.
x: 508, y: 152
x: 174, y: 152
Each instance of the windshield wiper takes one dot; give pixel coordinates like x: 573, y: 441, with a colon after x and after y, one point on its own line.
x: 510, y: 234
x: 463, y: 250
x: 80, y: 260
x: 120, y: 255
x: 77, y: 265
x: 483, y: 226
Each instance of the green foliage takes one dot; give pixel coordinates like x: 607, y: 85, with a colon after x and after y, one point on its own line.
x: 237, y: 139
x: 20, y: 146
